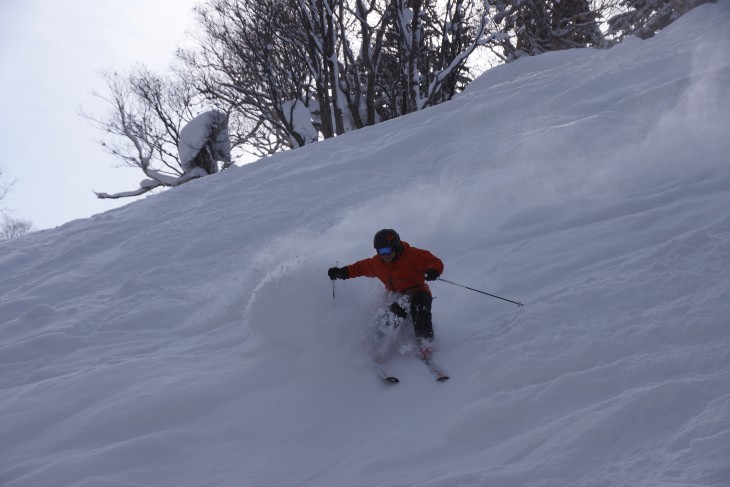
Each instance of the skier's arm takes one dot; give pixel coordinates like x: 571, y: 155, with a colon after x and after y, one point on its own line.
x: 432, y: 266
x: 358, y: 269
x: 361, y: 268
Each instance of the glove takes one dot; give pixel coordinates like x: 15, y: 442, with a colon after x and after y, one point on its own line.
x: 338, y: 273
x: 431, y: 274
x: 398, y: 310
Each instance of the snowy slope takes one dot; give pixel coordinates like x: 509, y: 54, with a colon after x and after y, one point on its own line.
x: 191, y: 339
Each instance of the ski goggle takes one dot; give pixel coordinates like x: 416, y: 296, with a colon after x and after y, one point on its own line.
x: 385, y: 251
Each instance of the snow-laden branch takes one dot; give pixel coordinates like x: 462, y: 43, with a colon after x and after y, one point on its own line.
x: 160, y: 180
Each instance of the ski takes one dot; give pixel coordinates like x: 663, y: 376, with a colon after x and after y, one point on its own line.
x: 383, y: 374
x: 435, y: 370
x: 390, y: 379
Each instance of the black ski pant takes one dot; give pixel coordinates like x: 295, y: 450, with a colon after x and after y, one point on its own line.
x: 420, y: 315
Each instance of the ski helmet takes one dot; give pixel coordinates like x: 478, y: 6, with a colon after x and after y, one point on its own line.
x: 387, y: 237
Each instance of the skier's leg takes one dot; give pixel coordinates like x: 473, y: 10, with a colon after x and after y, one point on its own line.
x: 388, y: 321
x: 422, y: 322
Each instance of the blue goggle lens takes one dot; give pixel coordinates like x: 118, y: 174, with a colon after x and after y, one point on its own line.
x: 385, y: 251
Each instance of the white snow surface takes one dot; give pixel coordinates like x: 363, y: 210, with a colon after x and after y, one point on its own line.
x: 192, y: 339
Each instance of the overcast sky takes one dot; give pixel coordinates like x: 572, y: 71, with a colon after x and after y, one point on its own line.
x: 51, y: 54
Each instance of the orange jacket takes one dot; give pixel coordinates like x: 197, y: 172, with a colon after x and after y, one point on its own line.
x: 405, y: 274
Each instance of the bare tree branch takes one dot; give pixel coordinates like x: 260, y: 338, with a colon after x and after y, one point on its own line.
x: 11, y: 228
x: 5, y: 187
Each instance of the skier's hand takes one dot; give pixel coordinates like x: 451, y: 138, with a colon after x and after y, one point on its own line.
x: 338, y: 273
x: 431, y: 274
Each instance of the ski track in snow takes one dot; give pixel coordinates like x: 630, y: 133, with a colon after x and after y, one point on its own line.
x: 191, y: 338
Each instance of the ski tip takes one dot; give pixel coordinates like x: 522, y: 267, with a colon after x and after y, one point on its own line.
x: 392, y: 380
x: 442, y: 378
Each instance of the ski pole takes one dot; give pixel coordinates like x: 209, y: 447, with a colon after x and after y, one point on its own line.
x: 478, y: 291
x: 334, y: 303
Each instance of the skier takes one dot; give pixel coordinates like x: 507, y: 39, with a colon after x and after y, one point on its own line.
x: 403, y: 270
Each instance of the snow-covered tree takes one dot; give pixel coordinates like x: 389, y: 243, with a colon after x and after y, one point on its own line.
x: 644, y: 18
x: 251, y: 57
x: 435, y: 39
x: 290, y: 72
x: 143, y: 129
x: 531, y: 27
x: 322, y: 39
x: 333, y: 65
x: 205, y: 141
